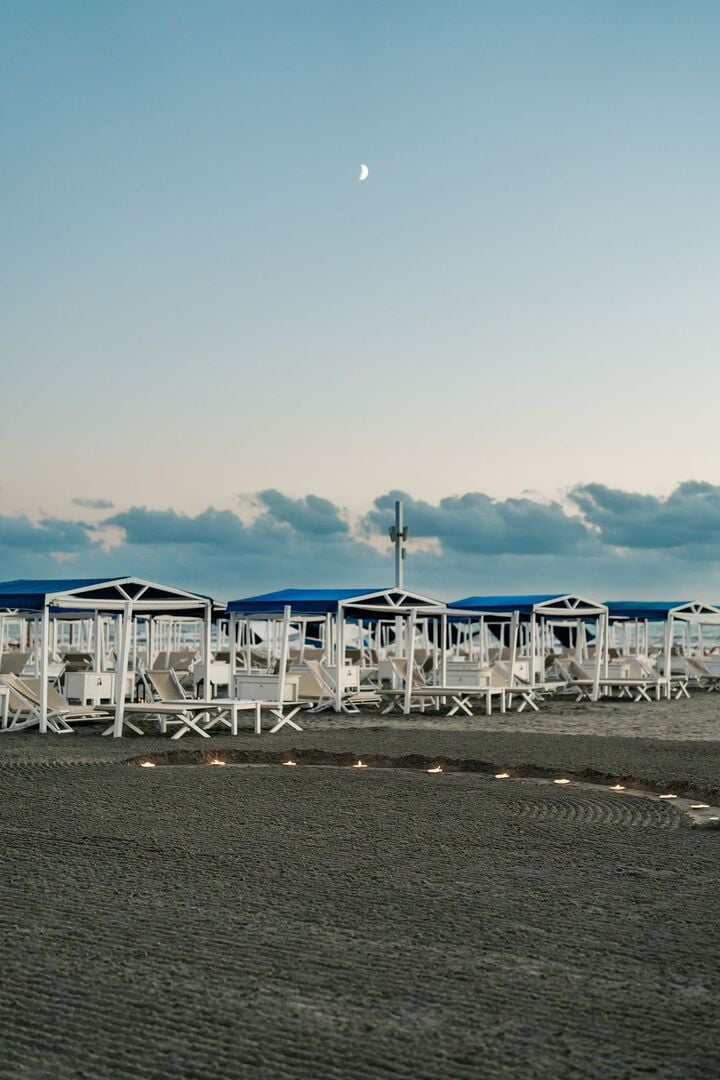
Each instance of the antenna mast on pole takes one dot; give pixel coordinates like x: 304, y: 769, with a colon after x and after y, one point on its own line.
x: 398, y: 535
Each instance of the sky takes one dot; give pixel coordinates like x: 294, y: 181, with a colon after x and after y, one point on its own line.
x: 223, y: 357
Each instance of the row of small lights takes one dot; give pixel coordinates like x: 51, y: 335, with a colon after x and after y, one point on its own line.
x: 360, y: 764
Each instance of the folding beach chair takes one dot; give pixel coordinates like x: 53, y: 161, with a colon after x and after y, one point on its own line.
x: 516, y: 687
x: 25, y: 708
x: 174, y: 705
x: 169, y: 691
x: 19, y: 712
x: 351, y: 700
x: 13, y: 663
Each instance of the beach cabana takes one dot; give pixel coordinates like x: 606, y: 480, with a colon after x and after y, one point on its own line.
x: 309, y: 609
x: 670, y: 614
x: 278, y: 611
x: 404, y: 609
x: 397, y: 611
x: 125, y: 598
x: 540, y: 613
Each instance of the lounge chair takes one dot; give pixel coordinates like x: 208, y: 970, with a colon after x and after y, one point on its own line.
x: 13, y: 663
x: 693, y: 668
x: 174, y: 706
x: 352, y: 700
x: 25, y: 707
x: 517, y: 687
x: 168, y: 690
x: 635, y: 689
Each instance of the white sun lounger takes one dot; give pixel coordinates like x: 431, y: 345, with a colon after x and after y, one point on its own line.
x: 25, y: 707
x: 461, y: 698
x: 352, y: 700
x: 200, y: 716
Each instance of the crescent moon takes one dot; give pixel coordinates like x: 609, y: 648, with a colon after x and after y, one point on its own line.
x: 364, y: 172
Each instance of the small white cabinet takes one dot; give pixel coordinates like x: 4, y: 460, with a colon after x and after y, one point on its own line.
x: 459, y: 673
x: 219, y: 674
x: 94, y: 687
x: 265, y: 687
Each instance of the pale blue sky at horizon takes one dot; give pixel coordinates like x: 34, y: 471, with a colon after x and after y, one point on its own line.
x: 201, y: 303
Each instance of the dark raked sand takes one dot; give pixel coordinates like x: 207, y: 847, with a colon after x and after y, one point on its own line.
x: 330, y: 922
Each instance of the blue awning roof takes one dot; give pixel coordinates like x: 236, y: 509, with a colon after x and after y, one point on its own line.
x: 653, y: 610
x: 301, y: 601
x: 504, y: 604
x: 100, y: 594
x: 28, y: 594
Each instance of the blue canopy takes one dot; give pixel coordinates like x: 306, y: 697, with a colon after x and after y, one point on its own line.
x: 653, y: 610
x: 28, y: 594
x: 104, y: 594
x: 300, y: 601
x: 504, y: 604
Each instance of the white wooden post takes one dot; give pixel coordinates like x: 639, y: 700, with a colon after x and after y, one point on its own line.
x: 121, y: 669
x: 533, y: 648
x: 284, y: 646
x: 134, y: 644
x: 514, y: 623
x: 398, y: 636
x: 248, y: 645
x: 579, y: 642
x: 339, y: 657
x: 97, y: 631
x: 443, y: 648
x: 232, y: 654
x: 669, y: 634
x: 599, y: 638
x: 410, y: 662
x: 150, y: 642
x: 43, y: 644
x: 328, y: 647
x: 207, y: 650
x: 302, y: 633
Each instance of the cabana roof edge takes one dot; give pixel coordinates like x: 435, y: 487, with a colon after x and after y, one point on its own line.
x: 300, y: 601
x: 662, y: 610
x: 547, y: 604
x: 307, y: 602
x: 392, y: 600
x: 99, y: 594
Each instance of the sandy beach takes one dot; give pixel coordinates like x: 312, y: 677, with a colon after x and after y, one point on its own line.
x: 358, y: 362
x: 327, y: 921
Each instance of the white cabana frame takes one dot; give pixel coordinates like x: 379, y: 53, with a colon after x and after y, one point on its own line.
x: 537, y: 612
x: 406, y: 608
x: 123, y: 597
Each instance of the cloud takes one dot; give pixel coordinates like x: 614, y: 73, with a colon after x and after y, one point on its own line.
x: 20, y: 534
x: 477, y: 524
x: 688, y: 518
x: 311, y: 515
x: 213, y: 528
x: 291, y: 542
x: 93, y: 504
x: 608, y: 542
x: 280, y: 522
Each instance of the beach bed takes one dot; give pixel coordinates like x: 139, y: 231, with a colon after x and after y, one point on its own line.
x: 460, y: 698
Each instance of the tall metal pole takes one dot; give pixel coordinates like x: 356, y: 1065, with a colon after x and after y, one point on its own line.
x: 398, y: 535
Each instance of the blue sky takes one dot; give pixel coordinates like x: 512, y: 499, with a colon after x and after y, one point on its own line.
x: 199, y: 303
